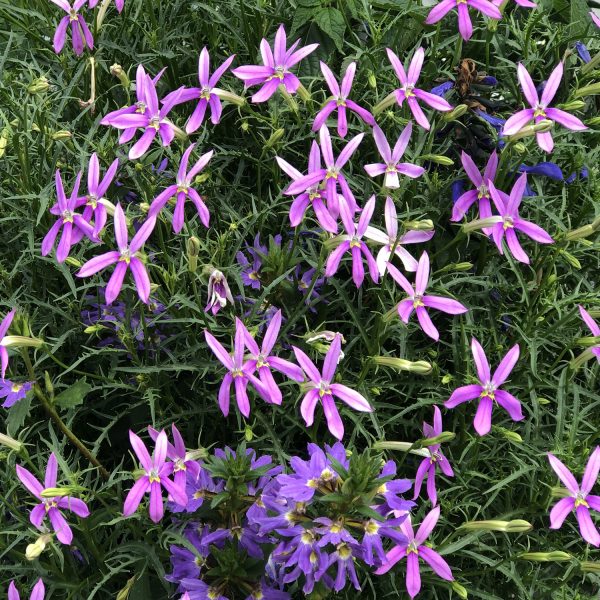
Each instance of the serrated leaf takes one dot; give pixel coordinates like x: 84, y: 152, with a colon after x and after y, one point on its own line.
x: 302, y: 16
x: 331, y: 22
x: 17, y: 414
x: 73, y: 395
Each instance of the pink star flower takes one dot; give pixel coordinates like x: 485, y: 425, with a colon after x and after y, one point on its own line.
x: 465, y: 26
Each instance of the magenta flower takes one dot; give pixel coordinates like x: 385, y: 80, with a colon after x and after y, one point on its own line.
x: 239, y: 372
x: 94, y: 202
x: 391, y: 240
x: 580, y: 500
x: 415, y: 548
x: 511, y: 222
x: 352, y: 241
x: 51, y: 507
x: 73, y: 225
x: 465, y: 26
x: 340, y: 101
x: 276, y: 67
x: 126, y: 258
x: 118, y: 3
x: 308, y: 193
x: 263, y: 361
x: 539, y: 110
x: 392, y: 166
x: 595, y: 18
x: 3, y: 330
x: 436, y: 459
x: 37, y: 593
x: 207, y: 94
x: 331, y: 175
x: 80, y: 33
x: 410, y: 92
x: 156, y: 477
x: 321, y: 389
x: 588, y: 320
x: 153, y: 120
x: 487, y: 389
x: 419, y: 302
x: 182, y: 190
x: 525, y: 3
x: 218, y: 292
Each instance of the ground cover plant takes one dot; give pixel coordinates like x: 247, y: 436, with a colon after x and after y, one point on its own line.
x: 299, y: 298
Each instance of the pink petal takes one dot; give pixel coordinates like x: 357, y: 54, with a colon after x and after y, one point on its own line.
x: 332, y: 416
x: 563, y: 474
x: 351, y: 397
x: 307, y: 408
x: 436, y: 562
x: 426, y: 323
x: 586, y: 526
x: 552, y: 84
x: 591, y: 471
x: 447, y: 305
x: 560, y: 512
x: 510, y: 404
x: 463, y: 394
x: 481, y: 362
x: 506, y: 365
x: 413, y: 576
x: 483, y: 416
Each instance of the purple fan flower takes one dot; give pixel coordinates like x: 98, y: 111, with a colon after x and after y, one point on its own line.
x: 198, y: 590
x: 372, y: 544
x: 331, y: 175
x: 511, y: 222
x: 392, y: 166
x: 118, y: 3
x: 321, y: 389
x: 182, y: 190
x: 51, y: 507
x: 276, y: 67
x: 465, y: 26
x: 262, y: 360
x: 410, y: 92
x: 207, y: 94
x: 312, y: 193
x: 94, y: 201
x: 415, y: 548
x: 580, y: 500
x: 74, y: 226
x: 344, y: 558
x: 3, y: 330
x: 418, y: 301
x: 436, y: 458
x: 80, y: 34
x: 352, y: 241
x: 539, y: 110
x: 156, y: 477
x: 239, y: 372
x: 391, y: 491
x: 340, y: 101
x: 594, y: 329
x: 218, y: 292
x: 390, y: 240
x: 13, y: 392
x: 37, y: 593
x: 126, y: 258
x: 487, y: 389
x: 153, y: 120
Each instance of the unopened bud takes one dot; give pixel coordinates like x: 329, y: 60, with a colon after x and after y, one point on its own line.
x: 48, y: 384
x: 419, y: 367
x: 3, y: 142
x: 63, y: 134
x: 124, y: 593
x: 6, y: 440
x: 288, y: 98
x: 388, y: 101
x: 575, y: 105
x: 21, y: 341
x: 446, y: 379
x: 34, y: 550
x: 229, y: 96
x: 460, y: 590
x: 543, y: 126
x: 56, y: 492
x: 588, y: 90
x: 245, y: 126
x: 588, y: 341
x: 248, y: 433
x: 193, y: 250
x: 445, y: 436
x: 594, y: 120
x: 436, y: 158
x: 580, y: 360
x: 572, y: 260
x: 520, y: 148
x: 424, y: 225
x: 371, y: 80
x: 94, y: 328
x: 584, y: 231
x: 453, y: 267
x: 478, y: 224
x: 117, y: 71
x: 589, y: 566
x: 556, y: 556
x: 455, y: 113
x: 303, y: 93
x: 73, y: 262
x: 512, y: 436
x: 38, y: 85
x: 515, y: 526
x: 401, y: 447
x: 275, y: 137
x: 201, y: 178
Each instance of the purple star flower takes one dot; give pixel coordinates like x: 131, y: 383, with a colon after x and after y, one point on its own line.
x: 593, y: 327
x: 51, y: 507
x: 417, y: 300
x: 276, y: 67
x: 126, y: 258
x: 74, y: 226
x: 321, y: 389
x: 539, y: 108
x: 340, y: 101
x: 239, y: 372
x: 13, y: 392
x: 120, y: 4
x: 218, y: 292
x: 80, y: 33
x: 207, y: 94
x: 182, y: 190
x: 487, y: 389
x: 465, y: 26
x: 155, y: 477
x: 392, y: 166
x: 390, y: 240
x: 580, y: 500
x: 415, y: 548
x: 3, y: 330
x: 525, y: 3
x: 436, y: 458
x: 510, y: 222
x: 37, y: 593
x: 410, y: 92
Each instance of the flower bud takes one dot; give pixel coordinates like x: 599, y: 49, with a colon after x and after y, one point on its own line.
x: 6, y: 440
x: 580, y: 360
x: 326, y: 335
x: 520, y: 148
x: 592, y: 64
x: 63, y: 134
x: 34, y: 550
x: 460, y: 591
x: 575, y: 105
x: 589, y: 566
x: 94, y: 328
x: 193, y: 250
x: 303, y: 93
x: 117, y: 71
x: 288, y: 98
x: 420, y: 367
x: 275, y: 137
x: 245, y: 126
x: 229, y: 96
x: 248, y: 433
x: 588, y: 90
x: 478, y: 224
x: 38, y: 85
x: 124, y: 593
x: 574, y: 262
x: 555, y: 555
x: 511, y: 436
x: 388, y: 101
x: 445, y: 436
x: 584, y: 231
x: 543, y: 126
x: 371, y: 80
x: 446, y: 379
x: 543, y: 401
x: 436, y: 158
x: 588, y: 341
x: 453, y: 267
x: 594, y: 120
x: 424, y: 225
x: 455, y: 113
x: 48, y: 385
x: 56, y: 492
x: 3, y: 142
x: 20, y: 341
x: 73, y: 262
x: 402, y: 447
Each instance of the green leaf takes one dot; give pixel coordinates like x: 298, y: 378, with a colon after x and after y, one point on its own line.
x: 73, y: 395
x: 579, y: 17
x: 17, y: 414
x: 331, y: 21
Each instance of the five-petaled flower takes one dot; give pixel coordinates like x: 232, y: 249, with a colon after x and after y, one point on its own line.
x: 81, y: 36
x: 487, y: 390
x: 410, y: 92
x: 37, y: 593
x: 593, y: 327
x: 51, y: 507
x: 465, y: 27
x: 418, y: 301
x: 322, y: 389
x: 579, y: 499
x: 539, y: 110
x: 120, y: 4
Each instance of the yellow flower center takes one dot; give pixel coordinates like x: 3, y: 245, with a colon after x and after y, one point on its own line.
x: 412, y: 547
x: 539, y: 112
x: 125, y: 256
x: 417, y: 301
x: 16, y: 387
x: 67, y: 216
x: 154, y: 123
x: 508, y: 223
x: 72, y: 15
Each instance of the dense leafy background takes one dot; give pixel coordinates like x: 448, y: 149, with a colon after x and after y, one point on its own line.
x: 536, y: 305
